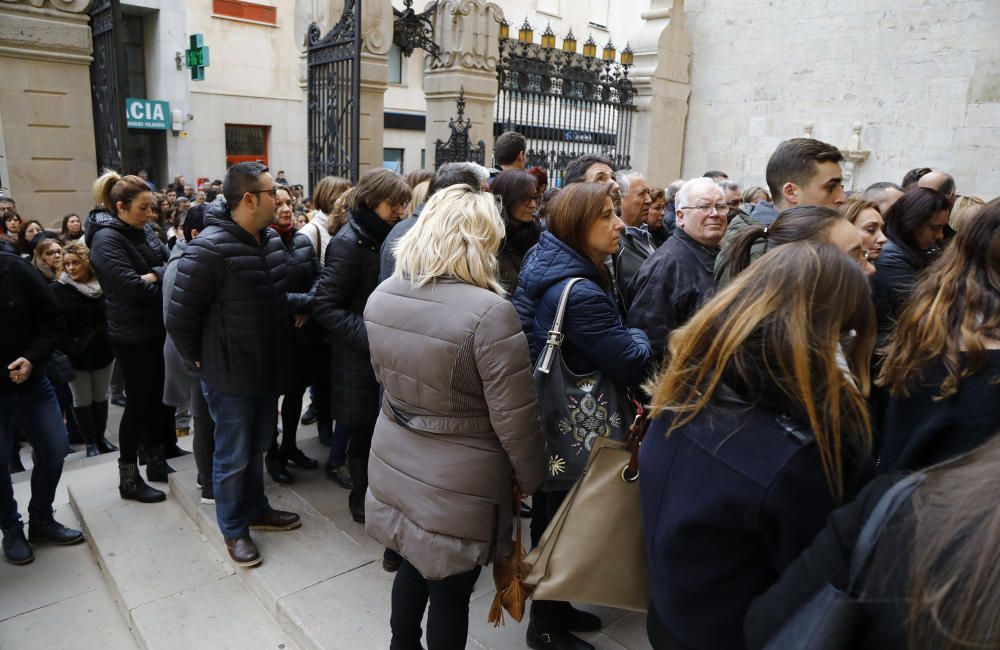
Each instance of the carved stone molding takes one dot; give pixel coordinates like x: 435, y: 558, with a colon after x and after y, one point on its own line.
x: 467, y: 32
x: 71, y: 6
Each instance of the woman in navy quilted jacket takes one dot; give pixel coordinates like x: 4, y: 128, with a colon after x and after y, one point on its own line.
x: 583, y: 231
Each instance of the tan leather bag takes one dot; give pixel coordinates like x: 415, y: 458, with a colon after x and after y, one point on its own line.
x: 508, y: 575
x: 593, y: 550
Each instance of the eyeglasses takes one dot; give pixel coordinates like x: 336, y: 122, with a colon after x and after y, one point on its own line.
x: 273, y: 192
x: 720, y: 208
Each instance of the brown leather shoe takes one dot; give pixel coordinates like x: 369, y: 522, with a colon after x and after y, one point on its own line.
x: 243, y: 552
x: 276, y: 520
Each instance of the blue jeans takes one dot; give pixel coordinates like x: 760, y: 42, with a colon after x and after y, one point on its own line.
x: 34, y: 409
x: 244, y: 426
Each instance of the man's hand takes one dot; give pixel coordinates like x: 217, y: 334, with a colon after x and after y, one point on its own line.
x: 20, y: 370
x: 150, y: 278
x: 301, y: 320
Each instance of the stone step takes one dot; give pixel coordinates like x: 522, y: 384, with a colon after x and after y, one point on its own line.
x: 171, y: 585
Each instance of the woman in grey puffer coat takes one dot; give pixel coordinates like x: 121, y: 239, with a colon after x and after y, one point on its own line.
x: 459, y: 419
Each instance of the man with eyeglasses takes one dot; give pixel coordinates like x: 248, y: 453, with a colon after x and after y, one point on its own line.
x: 678, y: 278
x: 636, y: 245
x: 228, y: 318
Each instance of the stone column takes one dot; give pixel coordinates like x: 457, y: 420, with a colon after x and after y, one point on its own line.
x: 48, y: 125
x: 376, y: 39
x: 661, y: 75
x: 467, y: 32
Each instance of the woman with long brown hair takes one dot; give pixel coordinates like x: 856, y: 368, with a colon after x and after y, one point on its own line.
x: 583, y: 231
x: 943, y: 359
x: 758, y: 434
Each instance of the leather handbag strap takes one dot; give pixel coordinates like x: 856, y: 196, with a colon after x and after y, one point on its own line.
x: 636, y: 434
x: 555, y: 337
x: 876, y: 523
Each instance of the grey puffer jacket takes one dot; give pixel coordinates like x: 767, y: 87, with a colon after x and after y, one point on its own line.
x: 459, y: 422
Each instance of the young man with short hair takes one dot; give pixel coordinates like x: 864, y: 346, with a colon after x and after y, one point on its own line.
x: 510, y: 152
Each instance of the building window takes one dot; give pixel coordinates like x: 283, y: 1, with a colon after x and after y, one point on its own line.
x: 423, y: 159
x: 397, y: 64
x: 245, y: 10
x: 393, y: 159
x: 599, y: 13
x: 135, y: 63
x: 245, y: 142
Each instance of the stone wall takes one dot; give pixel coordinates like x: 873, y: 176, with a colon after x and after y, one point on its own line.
x: 45, y: 108
x: 921, y: 76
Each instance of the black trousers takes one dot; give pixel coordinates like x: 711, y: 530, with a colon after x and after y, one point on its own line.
x: 448, y: 618
x: 147, y: 420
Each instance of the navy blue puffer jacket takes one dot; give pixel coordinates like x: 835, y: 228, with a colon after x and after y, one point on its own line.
x: 595, y: 335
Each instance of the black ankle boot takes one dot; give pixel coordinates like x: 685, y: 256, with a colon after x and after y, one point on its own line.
x: 274, y: 462
x: 104, y: 445
x: 356, y: 499
x: 546, y: 635
x: 131, y: 486
x: 157, y: 469
x: 85, y: 418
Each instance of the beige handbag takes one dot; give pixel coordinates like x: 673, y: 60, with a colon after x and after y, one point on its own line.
x: 593, y: 550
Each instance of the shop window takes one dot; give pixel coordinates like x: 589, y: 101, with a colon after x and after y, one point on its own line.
x: 245, y: 10
x: 245, y: 142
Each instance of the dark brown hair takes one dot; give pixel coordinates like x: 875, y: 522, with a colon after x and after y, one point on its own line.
x: 794, y: 161
x: 508, y: 147
x: 377, y: 185
x: 773, y: 335
x: 955, y: 308
x: 513, y: 186
x: 907, y: 215
x: 571, y: 214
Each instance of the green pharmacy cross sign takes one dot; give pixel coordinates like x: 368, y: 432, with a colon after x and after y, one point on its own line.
x: 197, y: 57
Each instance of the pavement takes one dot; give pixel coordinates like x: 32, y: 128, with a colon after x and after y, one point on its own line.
x: 157, y: 576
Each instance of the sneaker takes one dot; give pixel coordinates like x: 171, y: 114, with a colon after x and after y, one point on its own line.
x: 309, y: 417
x: 16, y: 548
x: 207, y: 494
x: 341, y: 476
x: 118, y: 400
x: 50, y: 530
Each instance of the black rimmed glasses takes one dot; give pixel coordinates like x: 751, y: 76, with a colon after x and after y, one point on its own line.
x: 273, y: 191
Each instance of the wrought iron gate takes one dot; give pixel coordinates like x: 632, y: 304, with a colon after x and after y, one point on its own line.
x: 565, y: 103
x: 459, y: 148
x: 334, y: 95
x: 107, y: 86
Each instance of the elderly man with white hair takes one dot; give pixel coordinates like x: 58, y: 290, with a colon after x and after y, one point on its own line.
x: 678, y: 277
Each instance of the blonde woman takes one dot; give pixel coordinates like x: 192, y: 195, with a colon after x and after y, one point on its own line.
x: 964, y: 211
x: 459, y: 416
x: 47, y: 258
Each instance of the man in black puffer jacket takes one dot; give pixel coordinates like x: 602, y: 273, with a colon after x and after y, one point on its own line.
x: 228, y: 317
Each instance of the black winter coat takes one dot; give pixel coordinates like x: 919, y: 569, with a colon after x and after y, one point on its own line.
x: 85, y: 341
x: 895, y: 277
x: 120, y: 255
x: 349, y: 278
x: 302, y: 271
x: 229, y: 307
x: 32, y: 320
x: 669, y: 288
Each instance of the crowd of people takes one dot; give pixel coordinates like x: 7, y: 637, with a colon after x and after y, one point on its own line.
x: 797, y: 351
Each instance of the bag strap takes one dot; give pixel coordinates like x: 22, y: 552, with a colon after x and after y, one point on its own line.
x: 876, y: 523
x: 555, y: 337
x: 636, y: 434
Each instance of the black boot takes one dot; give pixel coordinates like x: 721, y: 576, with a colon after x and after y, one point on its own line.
x: 274, y: 462
x: 546, y: 631
x: 101, y: 424
x: 356, y: 499
x: 157, y: 468
x: 131, y: 486
x: 15, y: 546
x: 85, y: 417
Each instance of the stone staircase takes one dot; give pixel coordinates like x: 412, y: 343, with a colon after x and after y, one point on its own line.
x: 319, y: 587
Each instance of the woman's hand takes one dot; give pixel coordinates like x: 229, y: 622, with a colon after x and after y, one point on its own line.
x: 150, y: 278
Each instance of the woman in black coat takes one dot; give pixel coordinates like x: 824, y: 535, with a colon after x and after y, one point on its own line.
x: 302, y: 272
x: 350, y: 276
x: 86, y: 343
x: 517, y: 191
x: 129, y: 262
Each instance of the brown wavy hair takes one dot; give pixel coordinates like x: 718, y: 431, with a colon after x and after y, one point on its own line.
x: 571, y: 214
x: 955, y: 308
x: 773, y: 335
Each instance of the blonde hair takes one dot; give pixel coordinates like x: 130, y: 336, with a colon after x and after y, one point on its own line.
x: 112, y: 187
x: 337, y: 216
x: 82, y: 252
x: 965, y: 210
x: 419, y: 196
x: 38, y: 261
x: 457, y: 235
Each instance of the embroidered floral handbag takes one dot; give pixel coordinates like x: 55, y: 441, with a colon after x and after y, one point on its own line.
x: 576, y: 410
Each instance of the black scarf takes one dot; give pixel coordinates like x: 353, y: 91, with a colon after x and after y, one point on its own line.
x: 371, y: 224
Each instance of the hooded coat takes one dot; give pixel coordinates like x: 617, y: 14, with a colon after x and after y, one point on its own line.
x: 121, y: 254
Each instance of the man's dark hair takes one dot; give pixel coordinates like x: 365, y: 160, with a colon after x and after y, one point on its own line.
x: 795, y: 160
x: 508, y: 147
x: 453, y: 174
x: 194, y: 220
x: 882, y: 186
x: 576, y: 169
x: 913, y: 176
x: 716, y: 174
x: 241, y: 178
x: 281, y: 171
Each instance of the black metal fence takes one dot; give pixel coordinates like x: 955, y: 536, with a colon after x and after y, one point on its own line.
x: 566, y: 103
x: 459, y: 148
x: 107, y: 84
x: 334, y: 91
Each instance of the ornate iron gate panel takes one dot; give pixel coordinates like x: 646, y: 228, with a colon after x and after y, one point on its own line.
x: 565, y: 103
x: 459, y: 148
x: 107, y: 86
x: 334, y: 95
